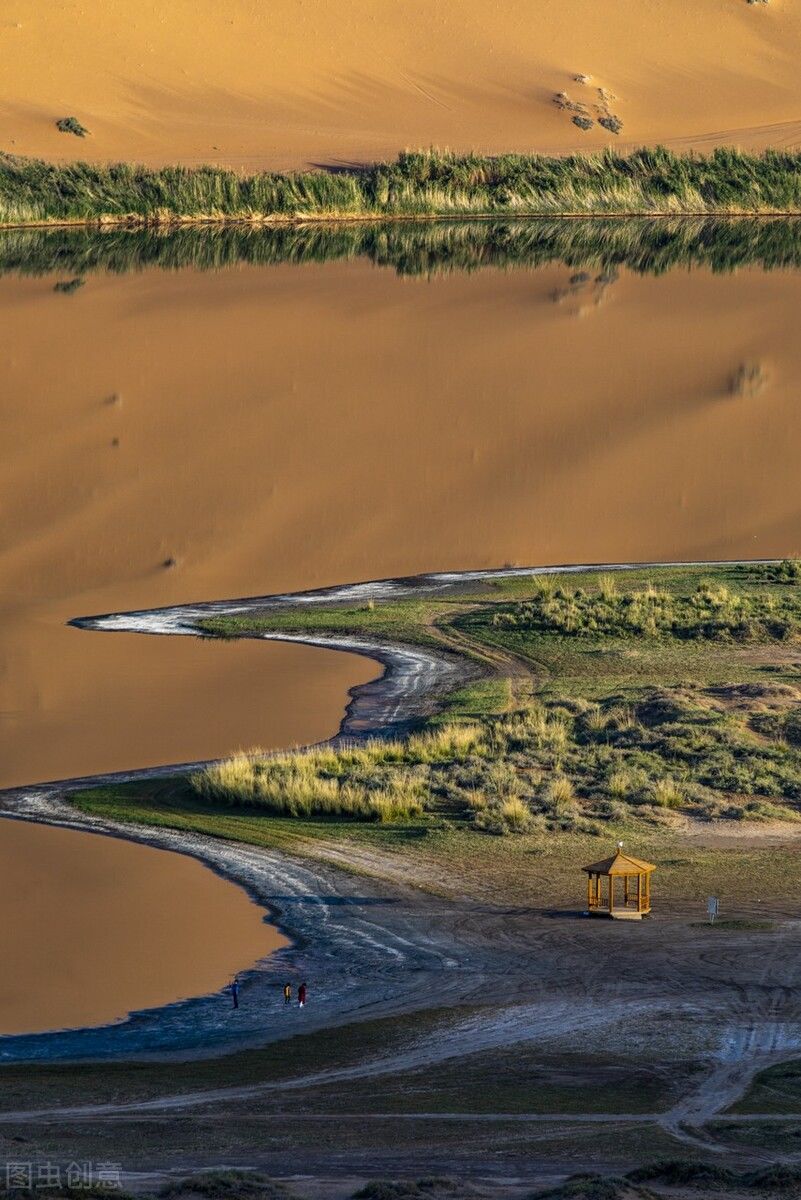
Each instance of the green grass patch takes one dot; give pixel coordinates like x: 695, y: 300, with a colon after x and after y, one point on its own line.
x: 712, y: 612
x: 399, y: 621
x: 375, y: 780
x: 482, y: 698
x: 777, y: 1089
x: 417, y: 183
x: 518, y: 1079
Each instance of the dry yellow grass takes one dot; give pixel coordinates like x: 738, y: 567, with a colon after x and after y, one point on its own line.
x: 350, y: 782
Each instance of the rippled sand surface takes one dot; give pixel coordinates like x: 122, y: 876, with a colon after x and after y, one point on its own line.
x: 292, y: 83
x: 291, y: 427
x: 93, y: 928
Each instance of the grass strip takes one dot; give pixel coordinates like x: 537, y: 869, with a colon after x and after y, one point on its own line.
x: 420, y: 183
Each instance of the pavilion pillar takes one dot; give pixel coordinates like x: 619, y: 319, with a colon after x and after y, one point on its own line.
x: 611, y: 893
x: 589, y: 893
x: 639, y: 893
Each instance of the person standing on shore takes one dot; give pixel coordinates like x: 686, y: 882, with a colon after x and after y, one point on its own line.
x: 301, y: 995
x: 234, y: 989
x: 287, y: 993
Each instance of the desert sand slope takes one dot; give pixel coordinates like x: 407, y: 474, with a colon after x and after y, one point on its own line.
x: 294, y: 82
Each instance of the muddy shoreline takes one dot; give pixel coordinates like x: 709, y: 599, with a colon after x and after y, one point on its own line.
x: 372, y: 948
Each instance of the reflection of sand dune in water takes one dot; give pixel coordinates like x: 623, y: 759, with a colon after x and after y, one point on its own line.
x: 289, y: 428
x: 112, y: 927
x: 294, y: 83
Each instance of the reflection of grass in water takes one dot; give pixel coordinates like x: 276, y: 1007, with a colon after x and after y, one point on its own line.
x: 643, y: 245
x: 417, y: 183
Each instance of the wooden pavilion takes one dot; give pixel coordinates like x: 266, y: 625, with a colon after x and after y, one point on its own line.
x: 635, y: 900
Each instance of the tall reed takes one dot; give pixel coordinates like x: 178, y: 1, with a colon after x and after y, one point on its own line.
x: 417, y: 183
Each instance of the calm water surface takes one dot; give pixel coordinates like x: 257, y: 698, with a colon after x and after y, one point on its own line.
x: 93, y: 928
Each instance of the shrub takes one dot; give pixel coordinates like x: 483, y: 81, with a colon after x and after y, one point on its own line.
x: 666, y: 793
x: 71, y: 125
x: 619, y: 785
x: 748, y: 380
x: 516, y: 815
x: 611, y: 122
x: 449, y: 742
x: 560, y: 798
x: 314, y: 783
x: 711, y: 612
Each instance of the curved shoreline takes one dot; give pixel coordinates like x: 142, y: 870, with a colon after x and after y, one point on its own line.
x: 345, y: 930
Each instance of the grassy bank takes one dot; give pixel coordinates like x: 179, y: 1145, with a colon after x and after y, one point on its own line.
x: 677, y: 694
x: 579, y: 733
x: 425, y: 183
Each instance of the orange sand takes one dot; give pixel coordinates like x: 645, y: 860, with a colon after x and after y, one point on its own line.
x: 294, y: 82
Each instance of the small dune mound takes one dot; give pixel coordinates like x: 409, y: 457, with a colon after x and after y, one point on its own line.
x: 679, y: 1172
x: 744, y: 694
x: 668, y: 706
x: 227, y: 1185
x: 712, y: 1178
x: 434, y: 1188
x: 596, y: 1187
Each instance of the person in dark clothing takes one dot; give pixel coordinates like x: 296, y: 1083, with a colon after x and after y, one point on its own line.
x: 287, y: 993
x: 234, y: 989
x: 301, y: 995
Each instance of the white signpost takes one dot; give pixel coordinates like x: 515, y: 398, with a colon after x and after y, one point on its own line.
x: 712, y: 906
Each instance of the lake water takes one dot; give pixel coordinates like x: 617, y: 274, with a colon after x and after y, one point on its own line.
x: 94, y: 927
x: 268, y: 411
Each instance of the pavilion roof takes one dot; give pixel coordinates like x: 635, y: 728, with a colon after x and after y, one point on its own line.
x: 620, y: 864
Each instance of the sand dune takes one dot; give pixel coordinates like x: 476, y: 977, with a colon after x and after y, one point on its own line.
x: 295, y: 82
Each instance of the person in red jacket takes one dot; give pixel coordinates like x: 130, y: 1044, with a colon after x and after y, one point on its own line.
x: 301, y: 995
